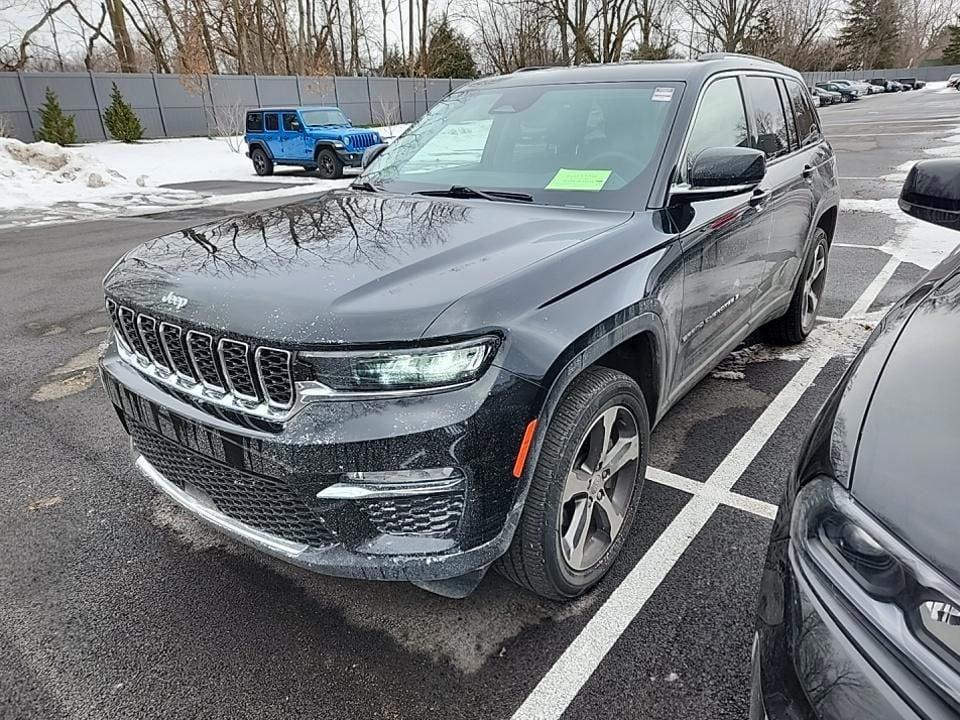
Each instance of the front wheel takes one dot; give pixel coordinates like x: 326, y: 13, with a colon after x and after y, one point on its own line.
x: 329, y: 166
x: 585, y: 487
x: 844, y: 99
x: 794, y: 327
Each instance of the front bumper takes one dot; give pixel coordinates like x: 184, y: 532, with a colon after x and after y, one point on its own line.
x: 260, y: 485
x: 350, y: 157
x: 814, y: 657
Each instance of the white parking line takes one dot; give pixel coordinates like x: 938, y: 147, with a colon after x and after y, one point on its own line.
x: 553, y: 694
x: 722, y: 497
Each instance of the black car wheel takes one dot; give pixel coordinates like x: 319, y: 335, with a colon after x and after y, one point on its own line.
x: 262, y: 164
x: 844, y: 98
x: 329, y: 166
x: 585, y: 487
x: 794, y: 327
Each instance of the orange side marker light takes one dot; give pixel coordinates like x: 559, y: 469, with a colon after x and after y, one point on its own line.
x: 524, y: 448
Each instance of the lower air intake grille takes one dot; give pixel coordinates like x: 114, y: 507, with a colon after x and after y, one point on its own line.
x: 265, y: 503
x: 425, y: 515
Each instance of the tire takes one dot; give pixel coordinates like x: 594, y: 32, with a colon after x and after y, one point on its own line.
x: 844, y: 99
x: 329, y: 166
x: 262, y: 164
x: 794, y: 327
x: 538, y: 559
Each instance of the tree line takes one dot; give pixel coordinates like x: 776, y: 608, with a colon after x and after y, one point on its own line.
x: 466, y: 38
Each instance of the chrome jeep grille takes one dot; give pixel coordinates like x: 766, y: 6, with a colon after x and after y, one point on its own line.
x: 258, y: 380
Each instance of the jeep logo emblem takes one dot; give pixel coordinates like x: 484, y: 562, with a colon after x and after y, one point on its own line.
x: 176, y: 300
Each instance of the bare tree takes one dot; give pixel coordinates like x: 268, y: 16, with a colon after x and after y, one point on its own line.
x: 725, y: 23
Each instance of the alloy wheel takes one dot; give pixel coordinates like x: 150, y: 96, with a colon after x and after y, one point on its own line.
x: 258, y: 163
x: 813, y: 286
x: 326, y: 165
x: 598, y: 487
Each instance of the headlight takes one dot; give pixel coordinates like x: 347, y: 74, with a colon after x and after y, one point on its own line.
x: 337, y: 144
x: 837, y: 535
x: 413, y: 369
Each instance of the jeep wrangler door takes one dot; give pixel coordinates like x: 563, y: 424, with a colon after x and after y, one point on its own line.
x: 292, y: 137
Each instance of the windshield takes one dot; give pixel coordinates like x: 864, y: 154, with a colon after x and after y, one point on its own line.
x: 591, y: 145
x: 324, y: 117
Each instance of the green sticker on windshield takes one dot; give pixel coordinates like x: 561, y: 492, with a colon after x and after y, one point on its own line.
x: 589, y: 180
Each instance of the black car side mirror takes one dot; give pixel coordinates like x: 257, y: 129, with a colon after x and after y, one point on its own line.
x: 372, y: 153
x: 931, y: 192
x: 720, y: 172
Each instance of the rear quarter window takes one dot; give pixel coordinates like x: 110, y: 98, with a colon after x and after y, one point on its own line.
x: 254, y: 122
x: 769, y: 120
x: 271, y: 122
x: 804, y: 113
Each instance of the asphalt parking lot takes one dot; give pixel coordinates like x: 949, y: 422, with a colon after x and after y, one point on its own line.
x: 114, y: 604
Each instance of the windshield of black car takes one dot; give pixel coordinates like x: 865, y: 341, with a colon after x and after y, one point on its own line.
x: 588, y: 145
x: 323, y: 117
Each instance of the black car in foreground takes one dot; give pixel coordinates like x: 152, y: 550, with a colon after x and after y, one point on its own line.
x: 847, y: 93
x: 457, y: 361
x: 859, y: 613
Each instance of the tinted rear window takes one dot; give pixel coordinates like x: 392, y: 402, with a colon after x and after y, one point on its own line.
x: 271, y: 122
x: 804, y: 113
x: 769, y: 121
x: 254, y: 122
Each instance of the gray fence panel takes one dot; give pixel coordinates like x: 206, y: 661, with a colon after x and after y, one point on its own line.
x: 16, y: 119
x: 185, y: 104
x: 137, y: 90
x: 318, y: 90
x: 933, y: 73
x: 232, y: 95
x: 456, y: 83
x: 436, y: 91
x: 75, y: 91
x: 276, y: 91
x: 410, y: 109
x: 385, y: 99
x: 353, y: 99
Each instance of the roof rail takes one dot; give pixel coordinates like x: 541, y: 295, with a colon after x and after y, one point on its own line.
x: 530, y: 68
x: 742, y: 56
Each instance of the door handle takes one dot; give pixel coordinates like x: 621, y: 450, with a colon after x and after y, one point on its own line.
x: 758, y: 198
x: 808, y: 171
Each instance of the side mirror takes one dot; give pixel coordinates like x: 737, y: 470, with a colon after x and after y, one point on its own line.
x: 721, y: 172
x: 931, y: 192
x: 372, y: 153
x: 295, y: 126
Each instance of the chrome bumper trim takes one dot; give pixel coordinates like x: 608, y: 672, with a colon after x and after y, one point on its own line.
x: 367, y: 491
x: 257, y: 538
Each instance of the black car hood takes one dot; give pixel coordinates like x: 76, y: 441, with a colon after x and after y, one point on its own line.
x: 907, y: 468
x: 347, y: 267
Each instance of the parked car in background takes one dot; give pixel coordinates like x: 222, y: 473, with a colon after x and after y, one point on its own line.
x: 846, y: 93
x: 826, y: 97
x: 907, y: 83
x: 457, y: 360
x: 315, y: 138
x: 953, y: 80
x: 873, y: 88
x: 886, y: 84
x: 859, y: 87
x: 859, y: 611
x: 918, y: 84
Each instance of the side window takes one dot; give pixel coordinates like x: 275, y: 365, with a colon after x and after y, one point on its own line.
x: 271, y: 122
x: 791, y: 122
x: 721, y: 121
x: 290, y: 122
x: 769, y: 121
x: 254, y: 122
x: 803, y: 111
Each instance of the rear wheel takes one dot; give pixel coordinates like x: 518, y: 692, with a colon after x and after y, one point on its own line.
x: 794, y: 327
x: 585, y: 488
x: 262, y: 164
x: 329, y: 166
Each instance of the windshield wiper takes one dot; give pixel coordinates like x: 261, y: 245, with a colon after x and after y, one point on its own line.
x: 364, y: 185
x: 462, y: 191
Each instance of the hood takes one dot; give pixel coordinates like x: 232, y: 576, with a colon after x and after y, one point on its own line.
x: 346, y: 267
x: 905, y: 471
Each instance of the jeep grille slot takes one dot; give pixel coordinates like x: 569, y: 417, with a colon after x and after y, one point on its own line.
x: 274, y: 368
x: 151, y: 340
x: 250, y: 379
x: 200, y: 348
x: 172, y: 338
x: 235, y: 359
x: 128, y: 326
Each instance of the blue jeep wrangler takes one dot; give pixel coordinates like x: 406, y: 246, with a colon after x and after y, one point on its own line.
x: 320, y: 138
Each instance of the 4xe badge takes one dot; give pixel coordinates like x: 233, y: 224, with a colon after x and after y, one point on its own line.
x: 177, y: 301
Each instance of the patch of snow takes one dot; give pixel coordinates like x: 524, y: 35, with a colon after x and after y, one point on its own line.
x: 913, y: 240
x: 935, y: 85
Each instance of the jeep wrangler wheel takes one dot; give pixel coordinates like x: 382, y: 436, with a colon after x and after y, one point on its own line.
x: 585, y: 487
x: 329, y: 166
x: 262, y: 164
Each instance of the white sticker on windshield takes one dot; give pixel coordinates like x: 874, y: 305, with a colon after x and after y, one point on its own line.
x: 662, y: 94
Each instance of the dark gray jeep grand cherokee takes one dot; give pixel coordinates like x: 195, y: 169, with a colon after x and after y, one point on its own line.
x: 456, y: 362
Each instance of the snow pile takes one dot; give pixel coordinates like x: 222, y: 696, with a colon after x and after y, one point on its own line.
x: 41, y: 173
